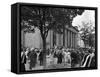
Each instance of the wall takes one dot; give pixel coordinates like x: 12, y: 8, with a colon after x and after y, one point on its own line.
x: 34, y: 40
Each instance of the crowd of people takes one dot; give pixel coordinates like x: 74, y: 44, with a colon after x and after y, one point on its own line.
x: 75, y: 57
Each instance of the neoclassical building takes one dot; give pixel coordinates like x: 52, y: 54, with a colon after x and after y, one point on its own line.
x: 69, y: 38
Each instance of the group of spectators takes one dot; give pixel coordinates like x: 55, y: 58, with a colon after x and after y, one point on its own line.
x: 83, y: 57
x: 32, y: 56
x: 75, y: 57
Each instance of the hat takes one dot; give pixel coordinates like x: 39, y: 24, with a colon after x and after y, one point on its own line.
x: 32, y: 49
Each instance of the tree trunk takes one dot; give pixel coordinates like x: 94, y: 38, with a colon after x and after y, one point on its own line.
x: 44, y: 51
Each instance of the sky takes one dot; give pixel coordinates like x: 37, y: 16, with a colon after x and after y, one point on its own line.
x: 88, y: 15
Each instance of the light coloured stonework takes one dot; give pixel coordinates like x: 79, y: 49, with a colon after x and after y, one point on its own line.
x: 34, y: 40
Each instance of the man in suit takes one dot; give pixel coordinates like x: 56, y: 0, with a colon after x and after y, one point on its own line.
x: 33, y: 58
x: 41, y: 57
x: 89, y: 59
x: 23, y: 61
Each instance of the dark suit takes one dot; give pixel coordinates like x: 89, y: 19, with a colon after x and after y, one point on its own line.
x: 23, y: 62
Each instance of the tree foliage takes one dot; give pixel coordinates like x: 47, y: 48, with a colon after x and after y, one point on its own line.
x: 47, y: 18
x: 88, y: 34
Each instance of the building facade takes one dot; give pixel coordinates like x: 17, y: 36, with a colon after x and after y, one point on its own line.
x: 68, y: 39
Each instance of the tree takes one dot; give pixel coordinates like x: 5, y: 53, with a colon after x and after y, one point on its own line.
x: 45, y: 19
x: 88, y: 33
x: 92, y: 40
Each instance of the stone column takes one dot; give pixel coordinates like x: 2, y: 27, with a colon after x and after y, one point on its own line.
x: 51, y: 39
x: 71, y: 39
x: 61, y: 39
x: 58, y: 42
x: 57, y: 39
x: 74, y: 41
x: 66, y: 38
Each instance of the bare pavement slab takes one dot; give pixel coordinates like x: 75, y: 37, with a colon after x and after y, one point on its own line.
x: 51, y: 66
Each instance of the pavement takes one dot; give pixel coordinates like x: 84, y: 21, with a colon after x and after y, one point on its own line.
x: 50, y: 64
